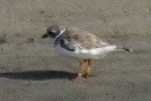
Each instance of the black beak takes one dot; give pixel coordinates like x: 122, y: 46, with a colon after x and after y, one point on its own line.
x: 45, y: 35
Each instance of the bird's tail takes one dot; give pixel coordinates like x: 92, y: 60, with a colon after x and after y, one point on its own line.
x: 124, y: 49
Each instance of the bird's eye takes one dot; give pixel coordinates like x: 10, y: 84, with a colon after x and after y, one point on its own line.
x: 52, y: 34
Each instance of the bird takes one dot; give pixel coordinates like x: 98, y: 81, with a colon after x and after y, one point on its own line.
x: 80, y: 44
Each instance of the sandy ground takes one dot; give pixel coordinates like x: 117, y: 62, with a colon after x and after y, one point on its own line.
x: 30, y: 70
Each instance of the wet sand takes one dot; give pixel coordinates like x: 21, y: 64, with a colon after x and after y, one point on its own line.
x: 30, y: 70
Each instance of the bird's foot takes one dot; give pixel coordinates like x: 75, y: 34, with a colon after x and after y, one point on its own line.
x: 88, y: 71
x: 79, y: 77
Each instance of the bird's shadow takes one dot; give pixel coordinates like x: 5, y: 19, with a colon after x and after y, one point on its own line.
x: 38, y: 75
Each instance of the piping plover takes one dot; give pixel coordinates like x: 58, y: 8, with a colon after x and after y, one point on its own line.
x: 80, y: 44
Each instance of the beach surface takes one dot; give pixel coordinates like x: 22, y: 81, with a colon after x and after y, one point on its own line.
x: 31, y: 70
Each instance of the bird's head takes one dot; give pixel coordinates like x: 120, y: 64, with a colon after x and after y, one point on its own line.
x: 53, y: 31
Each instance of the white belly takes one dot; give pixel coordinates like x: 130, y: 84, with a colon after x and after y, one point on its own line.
x: 94, y: 53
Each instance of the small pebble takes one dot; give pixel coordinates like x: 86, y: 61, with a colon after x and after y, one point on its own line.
x: 2, y: 40
x: 30, y: 41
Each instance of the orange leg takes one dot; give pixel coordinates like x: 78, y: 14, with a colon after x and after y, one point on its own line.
x: 85, y: 66
x: 89, y: 67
